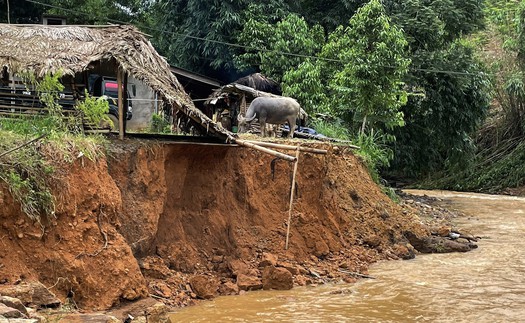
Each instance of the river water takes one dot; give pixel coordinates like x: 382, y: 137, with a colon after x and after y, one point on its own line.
x: 484, y: 285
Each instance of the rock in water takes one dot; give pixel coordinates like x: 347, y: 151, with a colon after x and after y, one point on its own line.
x: 276, y: 278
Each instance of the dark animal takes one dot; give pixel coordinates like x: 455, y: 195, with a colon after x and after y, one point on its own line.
x: 271, y: 110
x: 260, y: 83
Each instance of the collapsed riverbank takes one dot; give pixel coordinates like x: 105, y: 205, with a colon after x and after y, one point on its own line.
x: 180, y: 223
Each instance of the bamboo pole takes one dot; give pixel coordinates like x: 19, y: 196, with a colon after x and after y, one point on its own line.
x: 290, y: 208
x: 265, y: 150
x: 289, y: 147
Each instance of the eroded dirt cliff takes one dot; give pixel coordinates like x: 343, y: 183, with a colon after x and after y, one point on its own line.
x: 186, y: 221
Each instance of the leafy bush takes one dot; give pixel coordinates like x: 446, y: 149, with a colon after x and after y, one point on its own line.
x: 159, y: 124
x: 375, y: 151
x: 95, y: 109
x: 333, y: 129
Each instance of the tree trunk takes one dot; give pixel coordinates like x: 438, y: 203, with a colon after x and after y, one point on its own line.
x: 363, y: 125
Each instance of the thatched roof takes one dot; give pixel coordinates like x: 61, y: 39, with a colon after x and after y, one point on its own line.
x: 71, y: 49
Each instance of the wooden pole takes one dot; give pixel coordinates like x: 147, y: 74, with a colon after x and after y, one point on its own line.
x: 290, y: 208
x: 265, y: 150
x: 121, y: 112
x: 8, y: 13
x: 289, y: 147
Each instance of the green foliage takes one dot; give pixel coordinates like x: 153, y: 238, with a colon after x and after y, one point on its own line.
x: 25, y: 174
x: 369, y: 88
x: 48, y: 89
x: 159, y: 124
x: 305, y: 84
x: 497, y: 164
x: 95, y: 109
x: 29, y: 172
x: 32, y: 171
x: 328, y: 13
x: 271, y: 42
x: 490, y: 171
x: 454, y: 90
x: 439, y: 125
x: 503, y: 16
x: 375, y: 151
x: 99, y: 12
x: 194, y: 34
x: 331, y: 128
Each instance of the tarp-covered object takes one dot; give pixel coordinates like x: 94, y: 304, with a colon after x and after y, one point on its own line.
x: 41, y: 49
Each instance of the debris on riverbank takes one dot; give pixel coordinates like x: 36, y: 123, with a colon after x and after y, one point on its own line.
x: 445, y: 237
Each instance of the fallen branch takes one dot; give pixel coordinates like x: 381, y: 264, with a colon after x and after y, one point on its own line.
x: 355, y: 274
x: 22, y: 145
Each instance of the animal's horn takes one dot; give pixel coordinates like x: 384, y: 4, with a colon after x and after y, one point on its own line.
x: 250, y: 119
x: 239, y: 118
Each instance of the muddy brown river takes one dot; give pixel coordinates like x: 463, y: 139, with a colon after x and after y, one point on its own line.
x: 484, y: 285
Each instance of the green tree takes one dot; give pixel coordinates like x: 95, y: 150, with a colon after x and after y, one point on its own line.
x: 453, y: 88
x: 197, y: 34
x: 99, y: 11
x: 278, y: 48
x: 328, y: 13
x: 368, y: 88
x: 20, y: 12
x: 440, y: 123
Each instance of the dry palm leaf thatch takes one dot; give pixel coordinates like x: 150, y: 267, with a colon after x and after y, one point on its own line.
x: 41, y: 49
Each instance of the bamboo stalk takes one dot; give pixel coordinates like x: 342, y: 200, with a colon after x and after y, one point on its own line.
x: 265, y: 150
x: 289, y: 147
x: 290, y: 208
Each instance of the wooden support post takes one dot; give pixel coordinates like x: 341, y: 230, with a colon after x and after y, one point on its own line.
x: 290, y: 208
x: 121, y: 112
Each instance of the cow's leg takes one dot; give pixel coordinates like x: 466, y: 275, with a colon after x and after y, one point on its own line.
x: 291, y: 123
x: 262, y: 123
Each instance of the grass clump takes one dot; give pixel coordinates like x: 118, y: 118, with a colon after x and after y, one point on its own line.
x: 32, y: 171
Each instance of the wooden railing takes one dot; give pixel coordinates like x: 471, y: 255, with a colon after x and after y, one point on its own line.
x: 20, y: 102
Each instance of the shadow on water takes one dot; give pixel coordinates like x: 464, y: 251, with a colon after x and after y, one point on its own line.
x: 484, y: 285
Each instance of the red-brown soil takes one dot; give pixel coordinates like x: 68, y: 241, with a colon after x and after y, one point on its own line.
x: 152, y: 217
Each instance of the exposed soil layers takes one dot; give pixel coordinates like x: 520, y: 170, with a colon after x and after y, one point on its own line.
x: 154, y: 219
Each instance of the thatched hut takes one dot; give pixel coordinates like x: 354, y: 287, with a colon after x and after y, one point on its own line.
x: 121, y: 49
